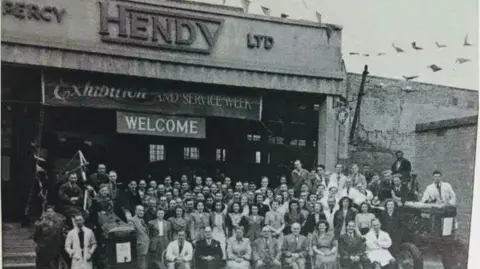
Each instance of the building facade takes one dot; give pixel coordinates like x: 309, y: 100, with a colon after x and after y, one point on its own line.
x: 449, y: 146
x: 155, y: 88
x: 390, y: 111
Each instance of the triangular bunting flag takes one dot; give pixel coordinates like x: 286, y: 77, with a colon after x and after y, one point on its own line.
x: 319, y: 17
x: 266, y: 10
x: 245, y: 3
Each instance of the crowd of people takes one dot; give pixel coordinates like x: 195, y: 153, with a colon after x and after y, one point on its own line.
x: 311, y: 219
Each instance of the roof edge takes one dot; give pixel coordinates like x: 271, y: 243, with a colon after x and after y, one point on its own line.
x: 446, y: 124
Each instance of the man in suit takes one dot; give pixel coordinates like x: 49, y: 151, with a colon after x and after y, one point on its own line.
x: 99, y: 177
x: 400, y: 192
x: 160, y: 232
x: 208, y: 254
x: 300, y: 176
x: 179, y: 253
x: 402, y: 166
x: 352, y: 249
x: 295, y: 248
x: 143, y: 241
x: 80, y: 245
x: 266, y: 252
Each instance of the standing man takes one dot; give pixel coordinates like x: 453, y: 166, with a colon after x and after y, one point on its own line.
x: 112, y: 185
x: 266, y: 252
x: 319, y: 178
x: 48, y: 237
x: 129, y: 200
x: 439, y: 192
x: 208, y: 254
x: 99, y: 177
x: 160, y: 232
x: 179, y: 252
x: 143, y: 241
x: 295, y: 248
x: 402, y: 166
x: 338, y: 178
x: 80, y: 245
x: 300, y: 176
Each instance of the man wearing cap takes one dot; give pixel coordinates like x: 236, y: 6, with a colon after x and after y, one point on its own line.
x: 208, y: 252
x: 266, y: 252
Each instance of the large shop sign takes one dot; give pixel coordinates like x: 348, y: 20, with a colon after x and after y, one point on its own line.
x: 67, y: 91
x: 160, y: 29
x: 161, y: 125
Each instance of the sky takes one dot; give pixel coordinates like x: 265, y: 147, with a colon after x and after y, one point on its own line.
x: 372, y: 26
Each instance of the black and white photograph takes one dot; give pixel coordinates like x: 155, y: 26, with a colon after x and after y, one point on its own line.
x: 239, y: 134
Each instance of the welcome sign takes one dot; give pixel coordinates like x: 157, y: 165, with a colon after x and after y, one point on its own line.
x: 160, y: 125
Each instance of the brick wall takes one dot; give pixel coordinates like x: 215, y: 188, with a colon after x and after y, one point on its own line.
x: 390, y: 110
x: 452, y: 151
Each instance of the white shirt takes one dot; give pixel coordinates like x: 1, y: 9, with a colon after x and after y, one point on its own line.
x: 447, y: 197
x: 335, y: 182
x: 160, y: 227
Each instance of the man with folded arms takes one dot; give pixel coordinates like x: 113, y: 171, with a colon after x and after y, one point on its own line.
x: 378, y: 243
x: 179, y: 253
x: 266, y: 252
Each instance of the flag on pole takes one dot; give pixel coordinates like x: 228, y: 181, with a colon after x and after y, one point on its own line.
x: 319, y: 17
x: 246, y: 4
x: 266, y: 10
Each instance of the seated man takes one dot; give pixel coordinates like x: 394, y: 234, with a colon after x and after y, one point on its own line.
x: 179, y: 253
x: 351, y: 248
x: 295, y: 248
x: 208, y: 252
x: 71, y: 197
x: 378, y: 243
x: 266, y: 252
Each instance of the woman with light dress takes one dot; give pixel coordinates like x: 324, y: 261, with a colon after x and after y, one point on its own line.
x: 179, y: 223
x: 325, y: 248
x: 198, y: 221
x: 275, y: 221
x: 239, y: 251
x: 235, y: 219
x: 364, y: 218
x: 255, y: 224
x: 217, y: 222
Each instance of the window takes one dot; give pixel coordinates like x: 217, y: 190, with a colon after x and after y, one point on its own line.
x: 455, y: 101
x: 254, y: 137
x: 191, y: 153
x: 258, y: 157
x: 157, y: 153
x: 221, y: 155
x: 471, y: 104
x: 276, y: 140
x: 298, y: 143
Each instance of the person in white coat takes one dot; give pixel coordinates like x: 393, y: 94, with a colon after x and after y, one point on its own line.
x: 378, y: 242
x: 80, y: 245
x: 179, y: 253
x: 439, y: 192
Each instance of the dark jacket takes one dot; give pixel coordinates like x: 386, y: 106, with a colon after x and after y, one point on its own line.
x: 405, y: 169
x: 202, y: 249
x: 339, y: 218
x: 311, y: 223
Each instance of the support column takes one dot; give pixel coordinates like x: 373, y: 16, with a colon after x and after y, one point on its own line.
x: 327, y: 134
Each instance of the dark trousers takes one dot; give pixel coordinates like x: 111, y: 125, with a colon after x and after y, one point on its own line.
x: 46, y: 263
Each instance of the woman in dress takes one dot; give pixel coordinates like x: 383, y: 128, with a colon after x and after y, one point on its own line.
x: 282, y: 208
x: 255, y: 224
x: 199, y: 220
x: 364, y: 218
x: 344, y: 214
x: 269, y: 197
x: 179, y: 223
x: 235, y: 219
x: 303, y: 208
x: 239, y: 251
x: 324, y: 246
x: 245, y: 208
x: 275, y: 221
x: 217, y: 222
x: 293, y: 216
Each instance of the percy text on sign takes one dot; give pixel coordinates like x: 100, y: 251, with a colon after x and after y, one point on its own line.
x: 26, y: 11
x: 159, y: 29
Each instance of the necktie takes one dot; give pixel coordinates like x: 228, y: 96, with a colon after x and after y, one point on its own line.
x: 180, y: 247
x: 439, y: 188
x: 338, y: 179
x: 296, y: 239
x: 80, y: 237
x: 348, y: 191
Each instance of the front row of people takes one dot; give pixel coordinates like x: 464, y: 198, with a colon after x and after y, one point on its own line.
x: 351, y: 250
